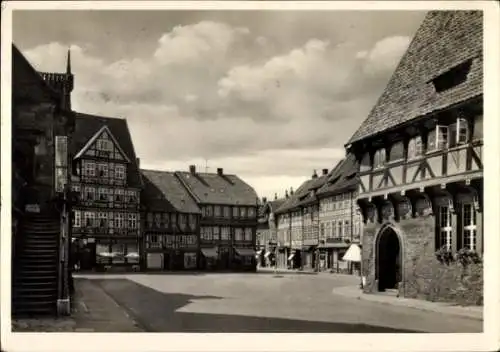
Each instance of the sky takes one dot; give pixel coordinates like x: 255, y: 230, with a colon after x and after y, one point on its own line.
x: 269, y: 96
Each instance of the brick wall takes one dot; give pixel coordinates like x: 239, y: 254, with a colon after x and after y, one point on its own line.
x: 423, y: 276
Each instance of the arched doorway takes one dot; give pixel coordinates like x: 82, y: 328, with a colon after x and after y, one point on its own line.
x: 388, y: 259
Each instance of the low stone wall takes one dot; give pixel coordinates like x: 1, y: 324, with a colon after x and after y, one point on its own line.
x: 424, y: 276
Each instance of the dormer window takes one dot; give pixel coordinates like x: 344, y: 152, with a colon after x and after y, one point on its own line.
x: 452, y: 77
x: 379, y: 158
x: 415, y: 148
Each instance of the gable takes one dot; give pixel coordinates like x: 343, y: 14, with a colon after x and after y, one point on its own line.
x: 103, y: 144
x: 446, y: 41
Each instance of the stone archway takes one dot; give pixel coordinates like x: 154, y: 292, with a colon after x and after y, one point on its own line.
x: 388, y: 259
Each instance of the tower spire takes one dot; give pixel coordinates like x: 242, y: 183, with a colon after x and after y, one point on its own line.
x: 68, y: 62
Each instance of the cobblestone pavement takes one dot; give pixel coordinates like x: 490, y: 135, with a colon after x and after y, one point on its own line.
x: 265, y: 303
x: 92, y: 311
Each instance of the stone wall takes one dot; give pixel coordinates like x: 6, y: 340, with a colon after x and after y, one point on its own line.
x: 423, y: 276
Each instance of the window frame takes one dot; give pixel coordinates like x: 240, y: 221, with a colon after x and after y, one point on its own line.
x: 415, y: 148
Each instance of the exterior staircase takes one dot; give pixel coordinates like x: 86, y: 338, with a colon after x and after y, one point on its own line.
x: 35, y: 267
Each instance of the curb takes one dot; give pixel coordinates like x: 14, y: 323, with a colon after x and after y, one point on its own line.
x: 451, y: 310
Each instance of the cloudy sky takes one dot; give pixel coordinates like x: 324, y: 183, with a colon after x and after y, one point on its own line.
x: 267, y: 95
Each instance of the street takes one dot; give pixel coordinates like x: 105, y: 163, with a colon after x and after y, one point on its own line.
x: 264, y: 302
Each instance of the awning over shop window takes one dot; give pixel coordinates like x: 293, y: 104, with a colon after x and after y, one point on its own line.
x: 353, y: 254
x: 267, y: 254
x: 245, y: 251
x: 291, y: 256
x: 209, y: 252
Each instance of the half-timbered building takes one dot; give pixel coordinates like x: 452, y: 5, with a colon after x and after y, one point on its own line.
x: 267, y: 231
x: 228, y: 221
x: 170, y: 223
x: 106, y: 177
x: 420, y: 155
x: 339, y: 216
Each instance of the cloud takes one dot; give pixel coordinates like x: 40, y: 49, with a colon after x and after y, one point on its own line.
x: 384, y: 55
x: 195, y: 43
x: 212, y: 90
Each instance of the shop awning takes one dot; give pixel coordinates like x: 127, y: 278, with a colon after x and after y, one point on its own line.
x: 209, y: 252
x: 291, y: 256
x: 353, y: 254
x: 245, y: 251
x: 267, y: 254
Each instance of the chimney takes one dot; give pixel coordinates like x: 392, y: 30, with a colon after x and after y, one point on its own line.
x: 275, y: 196
x: 291, y: 191
x: 264, y: 200
x: 315, y: 175
x: 192, y: 169
x: 325, y: 171
x: 220, y: 171
x: 286, y: 194
x: 138, y: 161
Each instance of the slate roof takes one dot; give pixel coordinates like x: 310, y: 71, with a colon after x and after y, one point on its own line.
x: 444, y: 40
x: 212, y: 188
x: 272, y: 205
x: 88, y: 125
x: 299, y: 196
x: 343, y: 178
x: 164, y: 191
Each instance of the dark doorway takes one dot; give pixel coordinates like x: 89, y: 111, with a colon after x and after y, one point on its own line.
x: 388, y: 260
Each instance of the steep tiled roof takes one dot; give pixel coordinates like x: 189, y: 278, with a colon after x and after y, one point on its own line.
x: 271, y: 205
x: 297, y: 197
x: 164, y: 191
x: 212, y: 188
x: 88, y: 125
x: 444, y: 40
x: 343, y: 178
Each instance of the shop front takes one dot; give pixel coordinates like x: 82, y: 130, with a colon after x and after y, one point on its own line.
x: 112, y: 254
x: 208, y: 259
x: 244, y: 259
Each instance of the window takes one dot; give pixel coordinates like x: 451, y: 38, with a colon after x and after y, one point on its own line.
x: 119, y: 195
x: 77, y: 214
x: 379, y: 158
x: 235, y: 212
x: 415, y: 148
x: 132, y: 220
x: 248, y: 234
x: 102, y: 194
x: 227, y: 212
x: 217, y: 211
x: 238, y: 234
x: 365, y: 164
x: 458, y: 132
x: 339, y: 229
x: 243, y: 212
x: 120, y: 172
x: 203, y: 211
x: 103, y: 219
x: 157, y: 219
x: 166, y: 218
x: 89, y: 218
x: 322, y: 230
x: 182, y: 220
x: 469, y: 234
x: 478, y: 128
x: 102, y: 170
x: 192, y: 221
x: 445, y: 228
x: 251, y: 212
x: 225, y: 234
x: 89, y: 193
x: 437, y: 139
x: 173, y: 219
x: 89, y: 169
x: 149, y: 219
x: 208, y: 233
x: 333, y: 230
x: 119, y: 220
x: 209, y: 210
x: 347, y: 228
x: 104, y: 145
x: 397, y: 152
x: 216, y: 233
